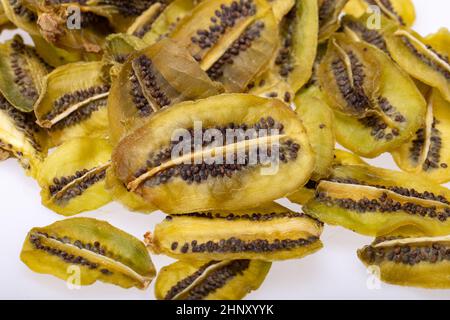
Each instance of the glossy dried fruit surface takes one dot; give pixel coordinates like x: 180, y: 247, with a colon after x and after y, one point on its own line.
x: 213, y: 280
x: 396, y: 112
x: 23, y: 72
x: 417, y: 262
x: 267, y: 146
x: 73, y: 102
x: 279, y: 235
x: 72, y: 178
x: 92, y: 249
x: 21, y: 137
x: 428, y: 152
x: 375, y: 202
x: 420, y: 60
x: 154, y: 78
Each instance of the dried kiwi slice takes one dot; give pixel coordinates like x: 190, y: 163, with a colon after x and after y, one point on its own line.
x: 22, y: 74
x: 419, y: 59
x: 279, y: 235
x: 266, y: 149
x: 440, y: 41
x: 428, y: 153
x: 342, y: 157
x: 375, y: 202
x: 21, y: 137
x: 281, y: 8
x: 100, y: 251
x: 397, y: 111
x: 22, y: 13
x: 295, y: 56
x: 72, y: 178
x: 129, y: 200
x: 73, y: 102
x: 417, y: 262
x: 143, y: 23
x: 232, y: 40
x: 213, y: 280
x: 329, y: 13
x: 156, y: 77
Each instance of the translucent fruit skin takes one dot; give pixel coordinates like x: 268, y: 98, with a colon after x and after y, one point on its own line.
x: 235, y: 288
x: 245, y: 189
x: 127, y: 259
x: 65, y: 161
x: 378, y: 223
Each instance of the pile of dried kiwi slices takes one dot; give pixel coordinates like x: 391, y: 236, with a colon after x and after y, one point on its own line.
x: 98, y: 113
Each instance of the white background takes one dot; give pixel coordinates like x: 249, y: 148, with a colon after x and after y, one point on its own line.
x: 332, y: 273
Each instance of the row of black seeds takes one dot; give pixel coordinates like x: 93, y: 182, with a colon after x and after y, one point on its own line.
x: 22, y: 76
x: 382, y: 205
x: 390, y: 110
x: 284, y: 57
x: 235, y: 217
x: 433, y: 160
x: 379, y: 129
x: 326, y: 10
x: 141, y: 32
x: 60, y: 183
x: 130, y: 8
x: 222, y: 20
x: 69, y: 99
x: 406, y: 254
x: 22, y: 11
x: 388, y: 5
x: 66, y: 257
x: 235, y: 245
x: 241, y: 44
x: 369, y: 35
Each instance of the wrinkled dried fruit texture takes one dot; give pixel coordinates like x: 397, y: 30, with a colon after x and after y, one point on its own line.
x: 23, y: 72
x: 21, y: 137
x: 73, y: 102
x: 342, y: 157
x: 247, y: 151
x: 294, y: 59
x: 417, y: 262
x: 220, y: 236
x: 129, y: 200
x: 420, y: 60
x: 318, y: 121
x: 72, y: 178
x: 428, y: 152
x: 376, y: 202
x: 400, y: 11
x: 22, y: 13
x: 232, y: 40
x: 100, y: 251
x: 329, y: 12
x: 159, y: 76
x: 54, y: 26
x: 213, y: 280
x: 397, y: 112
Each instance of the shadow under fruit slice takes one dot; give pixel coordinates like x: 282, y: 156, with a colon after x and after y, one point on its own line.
x: 329, y: 12
x: 73, y: 102
x: 375, y: 202
x: 397, y: 111
x: 152, y: 79
x: 428, y: 153
x: 100, y: 251
x: 416, y: 262
x: 251, y: 151
x: 213, y: 280
x: 296, y: 53
x: 264, y: 236
x: 72, y: 178
x: 21, y: 137
x: 419, y: 59
x: 22, y: 74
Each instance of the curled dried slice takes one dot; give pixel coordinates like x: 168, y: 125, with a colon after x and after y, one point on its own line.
x: 213, y: 280
x: 329, y: 13
x: 22, y: 13
x: 251, y: 150
x: 21, y: 137
x: 417, y: 262
x: 428, y: 153
x: 297, y: 50
x: 72, y: 178
x: 420, y: 60
x: 440, y: 41
x: 154, y: 78
x: 73, y: 102
x: 93, y: 248
x: 376, y: 202
x: 206, y: 236
x: 398, y: 109
x: 22, y: 74
x: 342, y: 157
x: 130, y: 200
x: 5, y: 23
